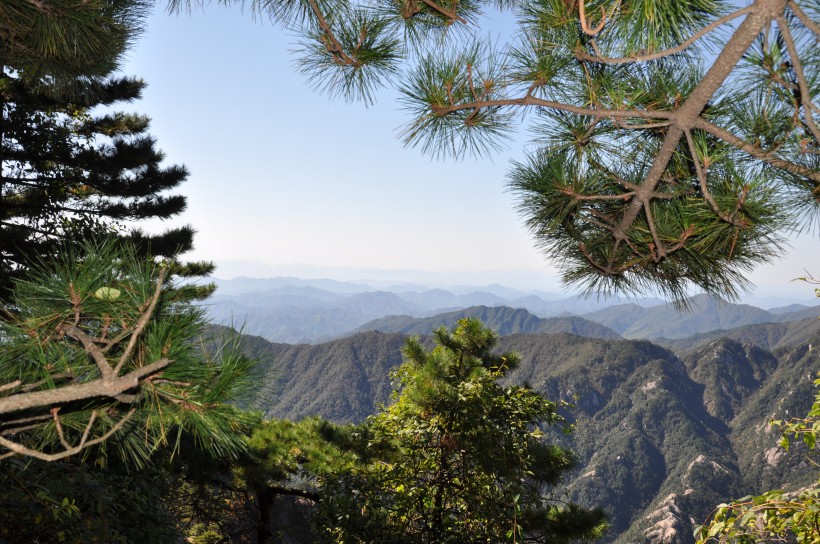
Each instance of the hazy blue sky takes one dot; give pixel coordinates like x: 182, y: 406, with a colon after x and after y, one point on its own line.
x: 283, y: 175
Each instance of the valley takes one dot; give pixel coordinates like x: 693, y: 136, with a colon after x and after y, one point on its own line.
x: 665, y: 427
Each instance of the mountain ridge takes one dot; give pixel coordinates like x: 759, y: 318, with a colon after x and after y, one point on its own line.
x: 661, y: 437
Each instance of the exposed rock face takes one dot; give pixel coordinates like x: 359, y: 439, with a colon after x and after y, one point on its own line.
x: 668, y: 522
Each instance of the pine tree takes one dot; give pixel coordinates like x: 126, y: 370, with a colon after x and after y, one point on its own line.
x: 458, y: 457
x: 100, y: 346
x: 68, y: 174
x: 675, y: 142
x: 63, y: 39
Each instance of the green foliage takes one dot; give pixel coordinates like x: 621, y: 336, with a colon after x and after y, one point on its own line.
x: 101, y: 341
x: 676, y: 143
x: 457, y: 457
x: 70, y: 174
x: 775, y: 514
x: 84, y: 502
x: 65, y: 38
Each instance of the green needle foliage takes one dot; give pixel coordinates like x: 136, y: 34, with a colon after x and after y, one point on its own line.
x: 675, y: 143
x: 67, y: 38
x: 68, y: 174
x: 101, y: 345
x: 457, y: 457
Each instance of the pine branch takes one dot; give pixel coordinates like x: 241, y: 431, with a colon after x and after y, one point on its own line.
x: 805, y: 19
x: 16, y: 448
x: 597, y: 57
x: 109, y: 387
x: 754, y: 150
x: 802, y: 82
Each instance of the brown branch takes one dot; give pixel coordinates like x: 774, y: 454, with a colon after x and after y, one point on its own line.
x: 584, y: 198
x: 633, y: 187
x: 658, y: 252
x: 583, y: 55
x: 87, y: 430
x: 766, y: 156
x: 18, y: 449
x: 582, y: 15
x: 143, y: 320
x: 58, y: 376
x: 802, y: 83
x: 453, y: 16
x: 59, y: 426
x: 110, y: 388
x: 22, y: 424
x: 530, y: 100
x: 75, y: 332
x: 645, y: 126
x: 690, y: 230
x: 805, y: 19
x: 704, y: 188
x: 11, y: 385
x: 332, y: 44
x: 689, y: 113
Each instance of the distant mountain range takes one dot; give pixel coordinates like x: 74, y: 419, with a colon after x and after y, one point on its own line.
x: 661, y: 435
x: 294, y: 310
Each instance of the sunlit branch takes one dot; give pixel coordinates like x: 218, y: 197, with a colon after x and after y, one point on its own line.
x: 530, y: 100
x: 582, y: 15
x: 18, y: 449
x: 453, y: 16
x: 11, y: 385
x: 332, y: 44
x: 659, y: 250
x: 766, y: 156
x: 73, y: 331
x: 583, y: 55
x: 98, y: 388
x: 143, y: 320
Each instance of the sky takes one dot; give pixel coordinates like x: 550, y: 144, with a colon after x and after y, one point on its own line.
x: 287, y: 181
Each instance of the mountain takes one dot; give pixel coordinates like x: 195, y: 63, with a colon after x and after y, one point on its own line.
x: 499, y: 318
x: 765, y: 335
x: 705, y: 314
x: 299, y: 318
x: 660, y: 437
x: 288, y: 309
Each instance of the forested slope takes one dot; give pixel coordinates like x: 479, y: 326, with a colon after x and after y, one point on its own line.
x: 660, y: 438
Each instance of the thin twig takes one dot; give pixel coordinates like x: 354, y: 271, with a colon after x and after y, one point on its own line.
x: 753, y: 150
x: 60, y: 434
x: 11, y: 385
x: 530, y: 100
x: 704, y: 188
x: 453, y: 16
x: 805, y: 19
x: 660, y: 249
x: 333, y: 46
x: 143, y: 320
x: 583, y: 16
x: 802, y: 82
x: 50, y: 379
x: 75, y: 332
x: 99, y: 388
x: 583, y: 55
x: 18, y: 449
